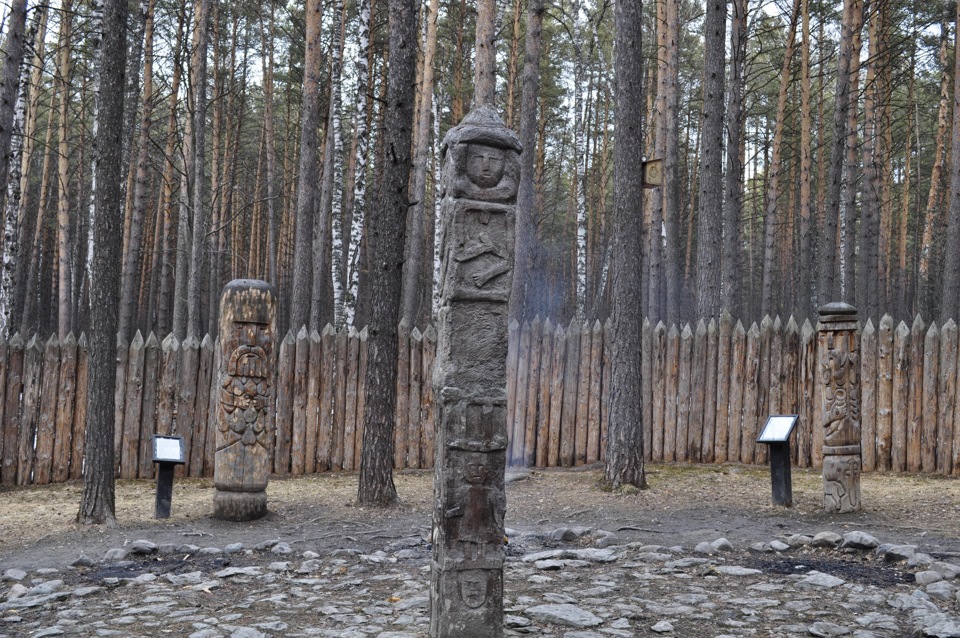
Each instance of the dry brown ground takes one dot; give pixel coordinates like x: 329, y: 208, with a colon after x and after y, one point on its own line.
x: 683, y: 505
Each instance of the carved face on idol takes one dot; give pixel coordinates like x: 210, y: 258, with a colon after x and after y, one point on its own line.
x: 485, y: 165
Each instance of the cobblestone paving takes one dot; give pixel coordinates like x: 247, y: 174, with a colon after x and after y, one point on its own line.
x: 569, y: 583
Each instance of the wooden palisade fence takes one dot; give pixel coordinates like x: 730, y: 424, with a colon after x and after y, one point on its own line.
x: 706, y: 391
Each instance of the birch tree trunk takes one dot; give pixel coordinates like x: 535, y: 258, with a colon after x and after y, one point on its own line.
x: 329, y: 261
x: 15, y: 150
x: 356, y: 181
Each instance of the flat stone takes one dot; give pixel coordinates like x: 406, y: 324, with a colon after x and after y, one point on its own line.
x: 547, y: 555
x: 593, y: 555
x: 142, y: 547
x: 281, y: 548
x: 247, y: 632
x: 827, y: 629
x: 705, y: 548
x: 736, y: 570
x: 819, y: 580
x: 779, y: 546
x: 83, y: 561
x: 611, y: 540
x: 233, y: 548
x: 549, y: 565
x: 188, y: 548
x: 12, y: 575
x: 949, y: 571
x: 826, y: 539
x: 897, y: 553
x: 562, y: 534
x: 267, y: 544
x: 859, y: 540
x: 50, y: 631
x: 940, y: 590
x: 942, y: 628
x: 799, y: 540
x: 722, y: 545
x: 117, y: 553
x: 563, y: 614
x: 928, y: 577
x: 237, y: 571
x: 663, y: 627
x: 921, y: 560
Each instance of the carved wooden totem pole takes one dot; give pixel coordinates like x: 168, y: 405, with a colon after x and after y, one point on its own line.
x: 839, y: 373
x: 480, y: 173
x: 248, y: 324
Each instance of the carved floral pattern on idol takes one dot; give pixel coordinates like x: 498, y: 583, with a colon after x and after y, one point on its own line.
x: 244, y: 395
x: 839, y: 375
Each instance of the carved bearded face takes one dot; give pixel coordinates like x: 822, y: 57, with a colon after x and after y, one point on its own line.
x: 485, y: 165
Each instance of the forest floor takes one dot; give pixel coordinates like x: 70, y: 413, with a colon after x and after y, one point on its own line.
x: 684, y: 505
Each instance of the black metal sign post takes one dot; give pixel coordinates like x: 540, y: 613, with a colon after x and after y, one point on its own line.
x: 776, y: 433
x: 167, y: 454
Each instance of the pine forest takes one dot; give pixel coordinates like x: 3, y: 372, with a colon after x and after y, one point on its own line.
x: 809, y: 154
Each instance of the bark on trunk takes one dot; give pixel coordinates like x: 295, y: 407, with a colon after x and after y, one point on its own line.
x: 307, y: 195
x: 386, y: 253
x: 97, y: 504
x: 624, y: 464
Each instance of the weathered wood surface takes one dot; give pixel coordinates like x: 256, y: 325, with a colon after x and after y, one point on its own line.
x: 533, y: 383
x: 868, y: 393
x: 402, y: 425
x: 80, y: 411
x: 284, y: 385
x: 583, y: 395
x: 29, y: 409
x: 119, y: 395
x: 908, y: 411
x: 301, y: 370
x: 314, y: 390
x: 66, y: 405
x: 46, y: 423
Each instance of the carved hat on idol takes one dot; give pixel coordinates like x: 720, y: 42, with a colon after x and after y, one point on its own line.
x: 482, y: 126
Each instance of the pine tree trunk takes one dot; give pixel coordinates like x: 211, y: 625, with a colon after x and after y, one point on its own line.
x: 733, y: 179
x: 307, y: 195
x: 201, y: 212
x: 523, y: 304
x: 386, y: 244
x: 928, y: 288
x: 770, y: 221
x: 131, y: 265
x: 828, y: 288
x: 710, y: 218
x: 951, y: 269
x: 624, y: 456
x: 266, y: 42
x: 414, y: 274
x: 848, y: 209
x: 485, y: 62
x: 97, y: 504
x: 805, y: 307
x: 64, y: 73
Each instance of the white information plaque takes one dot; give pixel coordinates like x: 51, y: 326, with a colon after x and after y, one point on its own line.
x: 168, y: 449
x: 778, y: 428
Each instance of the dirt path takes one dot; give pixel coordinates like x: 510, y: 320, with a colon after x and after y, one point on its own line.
x: 684, y: 505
